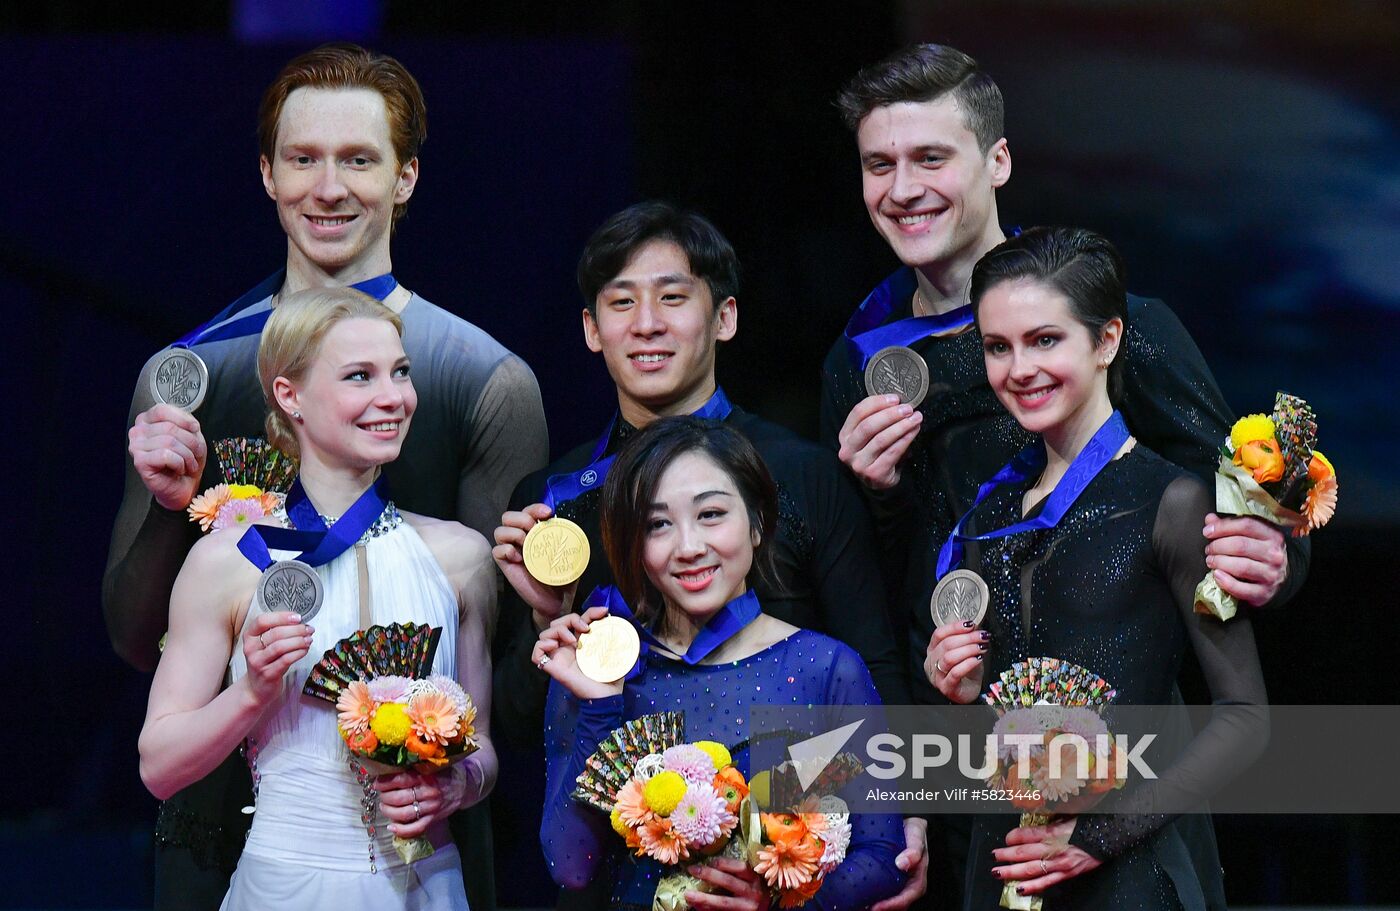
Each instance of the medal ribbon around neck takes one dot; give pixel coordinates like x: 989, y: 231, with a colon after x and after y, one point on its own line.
x: 315, y: 543
x: 1092, y: 459
x: 867, y: 333
x: 216, y: 329
x: 560, y: 488
x: 720, y: 628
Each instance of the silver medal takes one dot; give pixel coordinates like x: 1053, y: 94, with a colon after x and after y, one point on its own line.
x: 180, y: 379
x: 959, y: 596
x: 898, y: 370
x: 291, y: 585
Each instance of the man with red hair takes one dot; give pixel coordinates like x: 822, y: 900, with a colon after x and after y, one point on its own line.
x: 339, y: 133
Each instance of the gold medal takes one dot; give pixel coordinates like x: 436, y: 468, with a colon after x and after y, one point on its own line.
x: 556, y: 551
x: 608, y: 650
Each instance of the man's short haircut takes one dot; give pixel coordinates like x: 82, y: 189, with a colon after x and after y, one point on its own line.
x: 348, y: 66
x: 617, y: 240
x: 927, y: 72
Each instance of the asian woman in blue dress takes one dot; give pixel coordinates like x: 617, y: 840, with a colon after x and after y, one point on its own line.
x: 688, y: 511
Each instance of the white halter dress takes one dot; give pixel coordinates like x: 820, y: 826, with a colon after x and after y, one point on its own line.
x: 309, y: 846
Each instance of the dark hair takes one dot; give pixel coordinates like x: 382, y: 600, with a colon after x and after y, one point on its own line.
x: 1078, y: 263
x: 342, y: 65
x: 710, y: 256
x: 926, y: 72
x: 631, y: 489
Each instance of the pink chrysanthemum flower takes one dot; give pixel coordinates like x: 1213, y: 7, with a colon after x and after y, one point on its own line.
x: 356, y: 708
x: 632, y: 806
x: 204, y: 508
x: 691, y: 763
x: 238, y: 514
x: 836, y: 838
x: 697, y: 817
x: 389, y: 688
x: 434, y: 717
x: 661, y: 841
x: 453, y: 690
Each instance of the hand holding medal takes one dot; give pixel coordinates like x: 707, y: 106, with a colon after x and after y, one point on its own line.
x: 576, y: 647
x: 542, y: 558
x: 956, y: 650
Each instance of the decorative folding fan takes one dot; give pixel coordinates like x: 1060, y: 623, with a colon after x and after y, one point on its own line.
x: 1048, y: 680
x: 402, y: 649
x: 612, y: 765
x: 1295, y: 428
x: 252, y: 460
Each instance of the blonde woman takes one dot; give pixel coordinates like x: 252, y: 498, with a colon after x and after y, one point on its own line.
x: 340, y: 398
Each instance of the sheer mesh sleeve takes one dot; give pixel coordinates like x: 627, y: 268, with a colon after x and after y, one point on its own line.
x: 1238, y: 728
x: 868, y: 873
x: 575, y: 838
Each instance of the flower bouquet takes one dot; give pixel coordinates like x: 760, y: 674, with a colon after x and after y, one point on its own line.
x: 393, y: 714
x: 256, y: 479
x: 668, y: 800
x: 1054, y: 751
x: 1269, y: 469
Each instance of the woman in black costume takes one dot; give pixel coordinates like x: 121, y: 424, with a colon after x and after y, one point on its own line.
x: 1107, y: 585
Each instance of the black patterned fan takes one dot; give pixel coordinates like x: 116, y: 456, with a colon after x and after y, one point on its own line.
x: 611, y: 765
x: 399, y: 649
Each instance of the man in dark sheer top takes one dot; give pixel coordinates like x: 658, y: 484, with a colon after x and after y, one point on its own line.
x: 929, y: 129
x: 659, y: 288
x: 339, y: 132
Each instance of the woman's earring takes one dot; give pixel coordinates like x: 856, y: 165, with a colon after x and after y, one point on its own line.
x: 296, y: 416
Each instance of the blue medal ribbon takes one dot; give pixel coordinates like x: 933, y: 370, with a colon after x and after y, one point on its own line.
x: 315, y: 543
x: 562, y: 487
x: 726, y: 622
x: 1092, y: 459
x: 217, y: 330
x: 867, y: 332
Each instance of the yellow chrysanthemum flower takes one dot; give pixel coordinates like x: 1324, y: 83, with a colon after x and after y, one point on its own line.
x: 1252, y: 427
x: 244, y: 491
x: 717, y: 752
x: 620, y: 827
x: 758, y: 789
x: 391, y: 724
x: 663, y: 792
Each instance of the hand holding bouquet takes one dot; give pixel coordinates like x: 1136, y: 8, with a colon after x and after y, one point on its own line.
x: 1269, y: 469
x: 392, y: 713
x: 1055, y: 754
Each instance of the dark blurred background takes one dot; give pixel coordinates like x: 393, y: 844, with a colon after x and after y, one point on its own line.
x: 1242, y: 154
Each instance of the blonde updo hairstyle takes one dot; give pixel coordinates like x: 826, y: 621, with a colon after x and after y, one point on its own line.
x: 291, y: 340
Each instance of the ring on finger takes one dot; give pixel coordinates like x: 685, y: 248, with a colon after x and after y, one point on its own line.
x: 260, y: 640
x: 1044, y: 867
x: 417, y: 813
x: 415, y: 796
x: 542, y: 662
x: 939, y: 667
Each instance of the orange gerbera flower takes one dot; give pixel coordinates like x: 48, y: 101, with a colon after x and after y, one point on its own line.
x: 205, y: 507
x: 1320, y: 504
x: 356, y: 708
x: 434, y: 717
x: 661, y: 842
x: 270, y: 502
x: 783, y: 827
x: 632, y: 805
x: 789, y: 864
